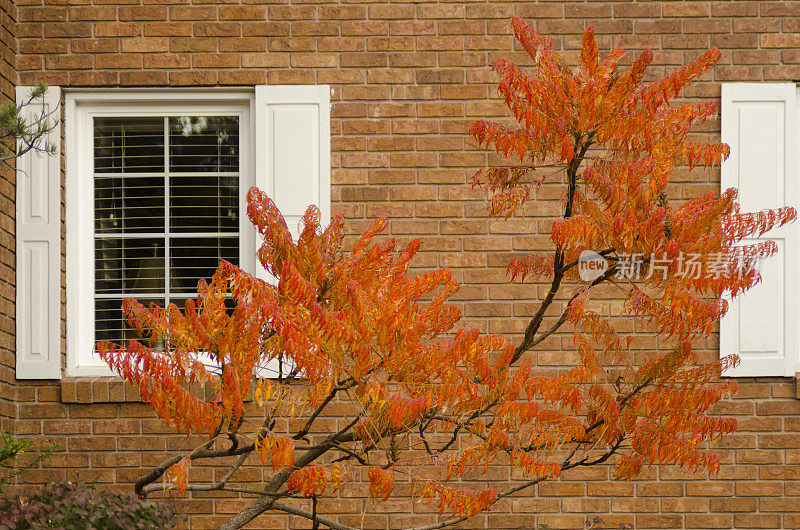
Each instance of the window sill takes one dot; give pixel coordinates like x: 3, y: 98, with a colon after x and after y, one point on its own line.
x: 98, y: 390
x: 87, y: 390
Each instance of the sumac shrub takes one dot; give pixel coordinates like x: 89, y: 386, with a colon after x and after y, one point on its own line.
x: 73, y: 507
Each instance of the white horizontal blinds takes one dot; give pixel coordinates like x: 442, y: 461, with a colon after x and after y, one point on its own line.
x: 761, y: 326
x: 166, y: 202
x: 38, y: 237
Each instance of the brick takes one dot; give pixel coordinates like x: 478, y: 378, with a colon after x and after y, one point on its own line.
x: 390, y: 44
x: 371, y: 28
x: 294, y: 12
x: 215, y: 60
x: 684, y: 504
x: 38, y: 46
x: 194, y: 44
x: 143, y: 78
x: 42, y: 14
x: 192, y: 78
x: 363, y: 60
x: 440, y: 43
x: 167, y: 29
x: 707, y: 521
x: 167, y: 61
x: 779, y: 9
x: 735, y: 504
x: 117, y: 29
x: 144, y: 44
x: 779, y: 472
x: 686, y: 9
x: 284, y: 44
x: 704, y: 489
x: 192, y: 13
x: 659, y: 521
x: 241, y: 78
x: 341, y: 44
x: 779, y: 504
x: 440, y: 76
x: 780, y: 40
x: 93, y: 78
x: 243, y: 44
x: 119, y: 61
x: 264, y: 29
x: 756, y: 520
x: 778, y: 407
x: 250, y: 13
x: 314, y: 60
x: 399, y: 60
x: 216, y: 29
x: 64, y: 29
x: 412, y: 27
x: 27, y: 411
x: 142, y: 13
x: 92, y: 13
x: 315, y: 28
x: 95, y: 45
x: 785, y: 441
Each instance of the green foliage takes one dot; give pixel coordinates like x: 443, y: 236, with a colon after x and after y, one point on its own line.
x: 11, y: 448
x: 72, y: 507
x: 29, y: 134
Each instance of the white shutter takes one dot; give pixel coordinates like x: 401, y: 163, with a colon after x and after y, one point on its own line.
x: 293, y: 150
x: 293, y: 159
x: 38, y: 206
x: 761, y: 326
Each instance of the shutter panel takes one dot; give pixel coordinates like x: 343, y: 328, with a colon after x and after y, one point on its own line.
x: 293, y: 160
x: 761, y: 326
x: 293, y: 151
x: 38, y: 207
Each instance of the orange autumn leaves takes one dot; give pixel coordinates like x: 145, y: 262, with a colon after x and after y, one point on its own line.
x: 356, y: 330
x: 617, y: 139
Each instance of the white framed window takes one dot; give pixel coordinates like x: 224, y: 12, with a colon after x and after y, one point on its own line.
x: 759, y: 123
x: 155, y: 195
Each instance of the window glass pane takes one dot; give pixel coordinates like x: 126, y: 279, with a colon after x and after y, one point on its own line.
x: 110, y: 323
x: 128, y: 145
x: 204, y: 203
x: 128, y: 203
x: 204, y: 143
x: 128, y: 266
x: 192, y: 259
x: 140, y: 176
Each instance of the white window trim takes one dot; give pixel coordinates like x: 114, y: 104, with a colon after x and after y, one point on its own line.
x: 80, y: 107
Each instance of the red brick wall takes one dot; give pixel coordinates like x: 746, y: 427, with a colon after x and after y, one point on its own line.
x: 408, y: 78
x: 8, y: 46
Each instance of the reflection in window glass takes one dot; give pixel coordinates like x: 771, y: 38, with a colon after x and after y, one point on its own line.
x: 166, y: 200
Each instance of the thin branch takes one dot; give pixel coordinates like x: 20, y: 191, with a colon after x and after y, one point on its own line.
x: 294, y: 510
x: 558, y: 260
x: 202, y: 487
x: 265, y: 502
x: 351, y: 453
x: 202, y: 451
x: 564, y: 315
x: 345, y: 385
x: 510, y: 491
